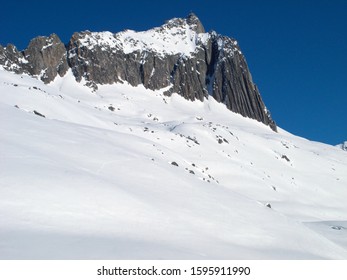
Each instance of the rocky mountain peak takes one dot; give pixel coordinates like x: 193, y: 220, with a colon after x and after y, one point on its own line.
x: 194, y: 21
x: 178, y: 56
x: 191, y: 22
x: 46, y: 57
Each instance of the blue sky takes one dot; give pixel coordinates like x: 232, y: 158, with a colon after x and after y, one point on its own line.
x: 296, y: 50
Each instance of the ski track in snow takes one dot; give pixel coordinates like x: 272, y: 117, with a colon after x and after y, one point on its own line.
x: 128, y: 173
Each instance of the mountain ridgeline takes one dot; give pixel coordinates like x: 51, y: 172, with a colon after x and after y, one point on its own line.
x: 178, y: 56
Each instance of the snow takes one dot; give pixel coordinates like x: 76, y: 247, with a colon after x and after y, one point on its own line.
x: 167, y: 39
x: 23, y: 60
x: 86, y: 182
x: 47, y: 46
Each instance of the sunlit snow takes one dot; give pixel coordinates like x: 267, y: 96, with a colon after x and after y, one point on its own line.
x: 126, y: 172
x: 170, y: 39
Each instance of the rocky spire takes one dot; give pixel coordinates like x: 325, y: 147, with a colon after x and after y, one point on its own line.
x: 193, y: 20
x: 45, y: 57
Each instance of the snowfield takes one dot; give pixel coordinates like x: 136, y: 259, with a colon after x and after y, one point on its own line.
x: 128, y: 173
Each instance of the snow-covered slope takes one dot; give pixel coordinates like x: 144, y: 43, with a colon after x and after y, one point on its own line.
x: 177, y: 36
x: 127, y: 172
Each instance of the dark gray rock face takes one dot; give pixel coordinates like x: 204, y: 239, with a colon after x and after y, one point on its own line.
x: 178, y: 56
x: 11, y: 59
x: 45, y: 57
x: 101, y: 64
x: 192, y: 20
x: 229, y: 81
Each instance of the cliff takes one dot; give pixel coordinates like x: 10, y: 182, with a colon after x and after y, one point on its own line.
x: 178, y: 56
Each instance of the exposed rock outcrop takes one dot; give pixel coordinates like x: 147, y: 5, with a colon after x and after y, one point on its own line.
x: 343, y: 146
x: 45, y: 57
x: 178, y: 56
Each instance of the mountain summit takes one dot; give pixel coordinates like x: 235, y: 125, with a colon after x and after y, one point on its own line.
x: 178, y: 56
x: 193, y: 20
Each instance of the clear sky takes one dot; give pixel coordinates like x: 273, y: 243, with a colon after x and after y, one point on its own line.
x: 296, y: 50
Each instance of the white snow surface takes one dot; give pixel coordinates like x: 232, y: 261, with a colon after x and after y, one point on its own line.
x: 94, y: 179
x: 174, y: 37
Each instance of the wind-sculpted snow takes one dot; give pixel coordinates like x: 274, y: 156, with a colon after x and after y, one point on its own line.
x: 130, y: 173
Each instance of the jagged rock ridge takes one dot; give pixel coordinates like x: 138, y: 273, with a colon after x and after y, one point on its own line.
x: 178, y: 56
